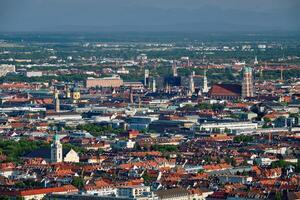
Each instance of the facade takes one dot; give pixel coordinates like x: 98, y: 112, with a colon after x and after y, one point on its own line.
x: 71, y: 157
x: 173, y: 194
x: 235, y: 179
x: 114, y: 81
x: 192, y: 84
x: 133, y: 191
x: 75, y: 93
x: 247, y: 85
x: 57, y: 104
x: 61, y: 116
x: 34, y: 74
x: 174, y: 69
x: 56, y: 150
x: 5, y: 69
x: 205, y: 85
x: 228, y: 125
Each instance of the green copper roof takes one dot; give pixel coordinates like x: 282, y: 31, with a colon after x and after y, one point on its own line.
x: 56, y: 138
x: 247, y: 69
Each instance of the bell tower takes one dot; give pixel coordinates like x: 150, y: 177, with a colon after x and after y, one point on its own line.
x: 56, y: 150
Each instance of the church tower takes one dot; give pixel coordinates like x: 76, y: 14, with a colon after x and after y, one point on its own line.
x: 205, y: 86
x: 153, y: 85
x: 75, y: 94
x: 56, y: 150
x: 247, y: 85
x: 68, y: 92
x: 56, y: 101
x: 192, y: 84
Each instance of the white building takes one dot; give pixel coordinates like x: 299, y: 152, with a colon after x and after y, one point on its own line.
x: 264, y: 161
x: 71, y: 156
x: 34, y: 74
x: 5, y: 69
x: 234, y: 126
x: 133, y: 191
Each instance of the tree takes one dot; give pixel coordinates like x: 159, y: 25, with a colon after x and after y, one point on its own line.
x: 97, y: 130
x: 78, y: 182
x: 218, y: 107
x: 146, y: 178
x: 278, y: 196
x: 204, y: 106
x: 267, y: 120
x: 15, y: 149
x: 165, y: 148
x: 243, y: 138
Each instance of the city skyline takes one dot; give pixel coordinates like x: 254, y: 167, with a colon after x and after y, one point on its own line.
x: 149, y: 99
x: 133, y: 15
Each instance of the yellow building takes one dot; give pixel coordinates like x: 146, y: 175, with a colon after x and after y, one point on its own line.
x: 76, y: 94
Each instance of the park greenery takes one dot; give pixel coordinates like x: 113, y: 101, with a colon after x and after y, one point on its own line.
x: 243, y: 138
x: 207, y: 106
x: 78, y: 182
x: 98, y: 130
x: 284, y: 164
x: 78, y: 149
x: 164, y: 148
x: 13, y: 150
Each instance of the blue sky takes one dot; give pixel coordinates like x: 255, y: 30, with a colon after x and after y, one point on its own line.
x: 149, y: 15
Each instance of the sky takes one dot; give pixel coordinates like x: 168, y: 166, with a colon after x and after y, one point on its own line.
x: 150, y: 15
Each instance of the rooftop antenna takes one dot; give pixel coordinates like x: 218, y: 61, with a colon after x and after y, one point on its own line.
x: 281, y: 73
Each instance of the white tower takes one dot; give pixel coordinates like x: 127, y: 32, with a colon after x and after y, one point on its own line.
x: 192, y: 84
x: 205, y: 86
x: 153, y: 85
x: 56, y: 150
x: 174, y: 68
x: 255, y: 61
x: 56, y: 101
x: 146, y: 77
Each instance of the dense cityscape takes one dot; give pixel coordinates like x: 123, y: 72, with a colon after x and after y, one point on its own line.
x: 91, y: 117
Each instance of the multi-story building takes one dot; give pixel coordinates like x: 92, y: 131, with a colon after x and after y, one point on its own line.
x: 114, y: 81
x: 5, y: 69
x: 133, y: 191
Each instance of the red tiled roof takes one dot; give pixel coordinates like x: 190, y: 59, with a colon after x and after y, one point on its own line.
x: 29, y: 192
x: 226, y: 90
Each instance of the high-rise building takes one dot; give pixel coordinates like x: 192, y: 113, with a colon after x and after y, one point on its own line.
x: 247, y: 85
x: 146, y: 77
x: 205, y: 86
x: 131, y: 98
x: 56, y: 150
x: 153, y: 85
x: 174, y: 69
